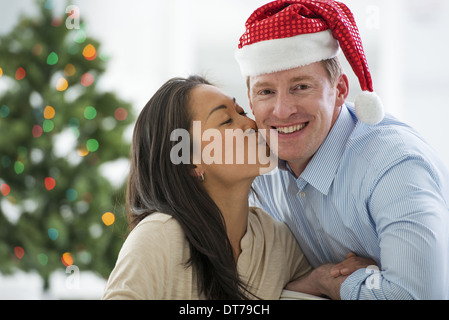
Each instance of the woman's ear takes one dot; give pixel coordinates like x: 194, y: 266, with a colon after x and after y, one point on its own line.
x: 198, y: 172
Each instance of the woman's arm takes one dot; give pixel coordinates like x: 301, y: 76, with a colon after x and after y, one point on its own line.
x: 141, y: 270
x: 326, y: 280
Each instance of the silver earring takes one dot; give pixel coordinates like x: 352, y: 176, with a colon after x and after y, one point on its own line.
x: 201, y: 175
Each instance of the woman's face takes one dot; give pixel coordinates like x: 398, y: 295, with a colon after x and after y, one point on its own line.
x: 226, y: 143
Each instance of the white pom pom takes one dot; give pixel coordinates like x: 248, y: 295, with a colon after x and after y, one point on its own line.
x: 369, y: 108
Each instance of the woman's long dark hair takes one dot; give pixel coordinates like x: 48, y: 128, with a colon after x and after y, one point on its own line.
x: 155, y: 184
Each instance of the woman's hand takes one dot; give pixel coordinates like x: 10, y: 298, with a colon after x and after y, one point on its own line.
x: 327, y: 279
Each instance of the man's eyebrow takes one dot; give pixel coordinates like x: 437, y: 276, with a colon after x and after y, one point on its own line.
x: 259, y: 84
x: 218, y: 108
x: 302, y: 78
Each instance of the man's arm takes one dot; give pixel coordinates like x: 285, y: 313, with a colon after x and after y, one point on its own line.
x: 412, y: 222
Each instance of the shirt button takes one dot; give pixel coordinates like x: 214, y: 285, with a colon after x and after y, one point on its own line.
x: 302, y: 195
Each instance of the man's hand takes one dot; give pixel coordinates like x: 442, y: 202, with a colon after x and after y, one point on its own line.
x: 351, y: 264
x: 327, y: 279
x: 319, y: 283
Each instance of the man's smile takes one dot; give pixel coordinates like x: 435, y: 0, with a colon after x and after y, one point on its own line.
x: 291, y: 129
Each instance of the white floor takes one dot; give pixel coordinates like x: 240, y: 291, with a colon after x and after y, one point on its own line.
x: 72, y: 285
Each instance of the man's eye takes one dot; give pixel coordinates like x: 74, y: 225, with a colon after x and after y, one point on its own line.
x: 302, y: 87
x: 265, y: 92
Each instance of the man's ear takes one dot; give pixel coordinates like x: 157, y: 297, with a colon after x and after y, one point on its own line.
x: 342, y: 87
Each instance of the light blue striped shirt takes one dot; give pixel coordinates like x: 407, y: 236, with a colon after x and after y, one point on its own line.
x: 378, y: 191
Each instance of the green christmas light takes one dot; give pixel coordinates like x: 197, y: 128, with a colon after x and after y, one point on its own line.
x: 6, y: 161
x: 80, y: 36
x: 42, y: 258
x: 4, y: 111
x: 19, y: 167
x: 92, y: 145
x: 48, y: 125
x: 71, y: 194
x: 52, y: 59
x: 53, y: 234
x: 90, y: 112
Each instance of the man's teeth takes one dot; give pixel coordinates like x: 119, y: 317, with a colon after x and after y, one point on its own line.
x: 291, y: 129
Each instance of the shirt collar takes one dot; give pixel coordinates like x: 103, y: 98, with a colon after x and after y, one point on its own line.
x: 321, y: 170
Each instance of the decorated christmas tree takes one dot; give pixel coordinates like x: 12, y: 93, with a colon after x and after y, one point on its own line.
x: 56, y: 131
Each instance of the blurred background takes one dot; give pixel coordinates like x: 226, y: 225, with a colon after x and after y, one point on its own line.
x: 74, y: 76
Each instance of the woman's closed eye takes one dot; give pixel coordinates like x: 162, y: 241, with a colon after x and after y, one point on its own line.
x: 242, y: 113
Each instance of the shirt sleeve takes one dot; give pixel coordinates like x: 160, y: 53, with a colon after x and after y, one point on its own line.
x: 142, y: 264
x: 412, y: 218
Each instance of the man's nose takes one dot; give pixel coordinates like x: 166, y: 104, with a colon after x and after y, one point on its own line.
x: 284, y: 106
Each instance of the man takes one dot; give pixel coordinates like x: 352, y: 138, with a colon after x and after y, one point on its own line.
x: 350, y: 179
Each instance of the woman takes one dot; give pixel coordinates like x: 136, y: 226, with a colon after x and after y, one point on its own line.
x: 193, y: 234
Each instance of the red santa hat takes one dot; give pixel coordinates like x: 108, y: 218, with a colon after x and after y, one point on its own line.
x: 286, y: 34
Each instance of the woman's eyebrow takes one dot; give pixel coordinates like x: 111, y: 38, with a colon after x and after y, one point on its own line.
x: 218, y: 108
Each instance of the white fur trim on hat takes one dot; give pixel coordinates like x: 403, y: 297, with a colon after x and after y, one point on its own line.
x: 287, y: 53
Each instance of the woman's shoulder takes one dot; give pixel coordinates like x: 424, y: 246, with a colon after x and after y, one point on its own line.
x: 158, y: 229
x: 157, y: 221
x: 268, y: 226
x: 265, y: 219
x: 154, y: 252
